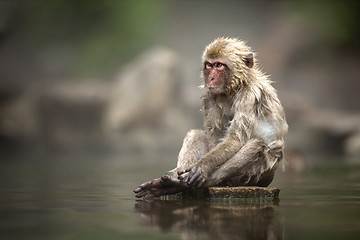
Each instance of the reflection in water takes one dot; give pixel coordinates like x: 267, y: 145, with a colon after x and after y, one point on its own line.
x: 213, y: 219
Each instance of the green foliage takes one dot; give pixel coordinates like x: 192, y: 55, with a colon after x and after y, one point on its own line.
x: 336, y: 21
x: 99, y: 34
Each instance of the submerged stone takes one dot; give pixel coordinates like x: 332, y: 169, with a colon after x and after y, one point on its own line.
x: 212, y: 193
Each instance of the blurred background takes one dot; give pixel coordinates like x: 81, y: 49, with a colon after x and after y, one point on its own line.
x: 97, y: 96
x: 123, y: 76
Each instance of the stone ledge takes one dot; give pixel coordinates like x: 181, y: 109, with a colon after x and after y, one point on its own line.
x: 213, y: 193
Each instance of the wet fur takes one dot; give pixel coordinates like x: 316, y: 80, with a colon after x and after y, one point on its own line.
x: 247, y: 109
x: 245, y: 128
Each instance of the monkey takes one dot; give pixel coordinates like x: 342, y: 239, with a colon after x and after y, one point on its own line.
x: 244, y: 131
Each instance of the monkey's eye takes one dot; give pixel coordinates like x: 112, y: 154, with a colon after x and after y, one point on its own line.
x: 219, y: 65
x: 208, y: 65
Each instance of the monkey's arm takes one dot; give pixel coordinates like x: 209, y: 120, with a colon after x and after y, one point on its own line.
x: 238, y: 134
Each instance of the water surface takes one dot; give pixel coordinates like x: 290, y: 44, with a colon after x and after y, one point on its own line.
x: 82, y: 197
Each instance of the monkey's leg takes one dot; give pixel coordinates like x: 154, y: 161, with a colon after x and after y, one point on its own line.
x: 194, y: 147
x: 254, y: 165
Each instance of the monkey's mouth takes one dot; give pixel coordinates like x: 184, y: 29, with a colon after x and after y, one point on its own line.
x: 214, y: 84
x: 214, y: 89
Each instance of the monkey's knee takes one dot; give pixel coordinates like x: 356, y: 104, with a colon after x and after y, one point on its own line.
x: 195, y: 135
x: 194, y: 147
x: 196, y: 140
x: 260, y: 148
x: 253, y: 149
x: 257, y: 142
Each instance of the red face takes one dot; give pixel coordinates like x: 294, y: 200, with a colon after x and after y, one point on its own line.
x: 214, y: 73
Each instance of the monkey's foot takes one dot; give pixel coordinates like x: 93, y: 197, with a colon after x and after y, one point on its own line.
x: 165, y: 185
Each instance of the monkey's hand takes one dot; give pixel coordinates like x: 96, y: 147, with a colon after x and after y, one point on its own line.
x: 195, y: 176
x: 165, y: 185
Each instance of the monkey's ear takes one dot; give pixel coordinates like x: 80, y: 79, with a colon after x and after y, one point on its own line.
x: 249, y: 59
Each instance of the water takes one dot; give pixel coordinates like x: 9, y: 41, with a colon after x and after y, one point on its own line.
x: 82, y: 197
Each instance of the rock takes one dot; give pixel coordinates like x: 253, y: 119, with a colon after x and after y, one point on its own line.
x: 144, y: 109
x: 329, y: 131
x: 142, y: 90
x: 58, y: 114
x: 70, y: 114
x: 253, y: 193
x: 322, y: 132
x: 352, y: 146
x: 141, y: 109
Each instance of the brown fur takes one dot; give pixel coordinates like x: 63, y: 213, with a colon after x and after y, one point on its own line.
x: 248, y: 108
x: 244, y: 132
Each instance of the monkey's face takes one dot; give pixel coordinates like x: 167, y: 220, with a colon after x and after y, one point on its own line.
x: 226, y: 65
x: 215, y: 75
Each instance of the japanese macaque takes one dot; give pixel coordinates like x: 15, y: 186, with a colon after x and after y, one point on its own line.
x: 245, y: 127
